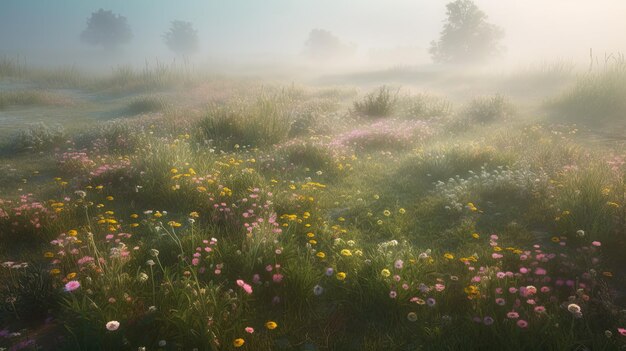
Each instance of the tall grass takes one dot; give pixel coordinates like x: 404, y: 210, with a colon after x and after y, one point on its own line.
x: 597, y: 98
x: 379, y: 103
x: 263, y: 122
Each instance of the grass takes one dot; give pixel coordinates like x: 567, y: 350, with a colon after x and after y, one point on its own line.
x: 597, y: 98
x: 278, y: 218
x: 27, y: 98
x: 379, y: 103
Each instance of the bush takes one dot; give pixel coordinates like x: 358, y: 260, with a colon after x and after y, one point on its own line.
x: 485, y: 110
x: 423, y: 106
x: 38, y: 137
x: 379, y: 103
x: 146, y: 104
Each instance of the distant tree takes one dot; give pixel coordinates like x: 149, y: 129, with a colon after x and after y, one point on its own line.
x: 107, y: 29
x: 466, y: 35
x: 182, y: 38
x: 323, y: 44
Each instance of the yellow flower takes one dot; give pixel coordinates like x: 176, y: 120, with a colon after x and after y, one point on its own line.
x: 110, y: 198
x: 379, y: 222
x: 387, y: 213
x: 555, y: 239
x: 341, y: 275
x: 346, y: 252
x: 71, y: 276
x: 448, y: 256
x: 271, y: 325
x: 320, y: 254
x: 402, y: 211
x: 48, y: 254
x: 238, y: 342
x: 55, y: 271
x: 134, y: 215
x: 72, y: 232
x: 385, y: 273
x: 174, y: 224
x: 312, y: 242
x: 158, y: 214
x: 173, y: 171
x: 134, y: 225
x: 497, y: 248
x: 194, y: 214
x: 613, y: 204
x: 475, y: 236
x: 310, y: 235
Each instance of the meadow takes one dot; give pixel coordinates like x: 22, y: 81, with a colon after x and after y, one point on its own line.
x: 169, y: 209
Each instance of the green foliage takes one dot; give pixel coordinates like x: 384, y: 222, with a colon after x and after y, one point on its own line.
x: 107, y: 29
x: 181, y: 38
x: 37, y: 137
x: 263, y: 122
x: 491, y: 109
x: 379, y: 103
x: 147, y: 104
x: 466, y: 37
x: 424, y: 106
x: 596, y: 99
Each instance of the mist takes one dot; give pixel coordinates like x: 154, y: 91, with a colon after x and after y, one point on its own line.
x: 385, y: 34
x: 312, y: 175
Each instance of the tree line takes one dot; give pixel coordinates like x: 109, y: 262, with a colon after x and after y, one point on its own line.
x: 466, y: 36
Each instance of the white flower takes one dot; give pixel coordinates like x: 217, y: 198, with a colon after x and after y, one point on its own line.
x: 573, y: 308
x: 112, y: 325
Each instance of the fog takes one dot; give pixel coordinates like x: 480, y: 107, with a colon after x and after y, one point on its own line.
x: 384, y: 33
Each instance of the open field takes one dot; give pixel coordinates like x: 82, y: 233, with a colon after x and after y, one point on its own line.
x: 407, y: 209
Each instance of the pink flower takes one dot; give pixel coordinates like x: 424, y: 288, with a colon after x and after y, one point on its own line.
x: 399, y: 264
x: 596, y: 243
x: 522, y: 323
x: 540, y: 309
x: 439, y: 287
x: 622, y: 331
x: 500, y: 301
x: 512, y: 315
x: 540, y: 271
x: 72, y: 285
x: 277, y: 278
x: 195, y: 261
x: 112, y: 325
x: 247, y: 288
x: 249, y: 330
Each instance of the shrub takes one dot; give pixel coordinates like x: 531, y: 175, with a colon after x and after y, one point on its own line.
x: 485, y: 110
x: 424, y: 106
x: 37, y: 137
x: 379, y: 103
x: 146, y: 104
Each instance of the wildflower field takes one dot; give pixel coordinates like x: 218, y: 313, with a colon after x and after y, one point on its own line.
x: 192, y: 212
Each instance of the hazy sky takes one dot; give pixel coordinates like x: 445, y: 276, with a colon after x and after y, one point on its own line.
x: 245, y: 29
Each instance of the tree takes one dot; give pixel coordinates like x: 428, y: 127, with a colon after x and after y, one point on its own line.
x: 107, y: 29
x: 323, y: 44
x: 466, y: 35
x: 182, y: 38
